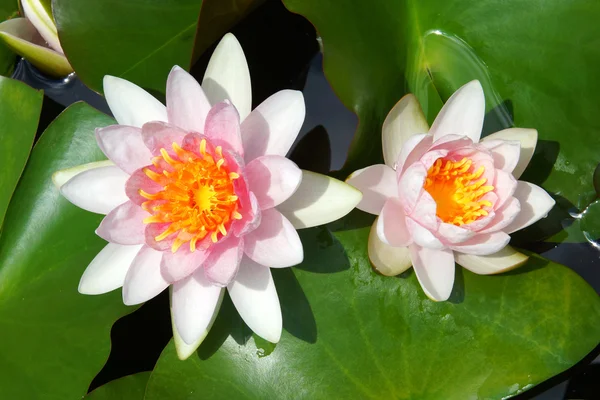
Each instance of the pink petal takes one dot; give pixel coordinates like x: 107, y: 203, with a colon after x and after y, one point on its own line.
x: 452, y: 143
x: 272, y: 127
x: 391, y: 225
x: 377, y: 184
x: 482, y: 222
x: 251, y: 214
x: 224, y: 260
x: 194, y: 302
x: 504, y: 216
x: 124, y: 225
x: 462, y: 114
x: 504, y: 187
x: 223, y: 126
x: 483, y: 244
x: 423, y: 237
x: 275, y: 243
x: 535, y: 202
x: 412, y: 151
x: 425, y: 212
x: 410, y: 186
x: 144, y: 280
x: 431, y: 157
x: 454, y: 234
x: 435, y: 271
x: 139, y: 180
x: 272, y: 179
x: 506, y: 153
x: 179, y: 265
x: 187, y: 105
x: 161, y: 135
x: 154, y: 230
x: 124, y: 146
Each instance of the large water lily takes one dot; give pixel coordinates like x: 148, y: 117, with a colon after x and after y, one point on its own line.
x: 201, y: 196
x: 35, y: 38
x: 445, y: 196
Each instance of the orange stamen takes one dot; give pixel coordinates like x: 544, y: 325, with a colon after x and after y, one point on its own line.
x: 458, y: 189
x: 197, y: 197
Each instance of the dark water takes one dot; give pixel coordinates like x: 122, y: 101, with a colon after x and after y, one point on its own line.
x: 283, y: 52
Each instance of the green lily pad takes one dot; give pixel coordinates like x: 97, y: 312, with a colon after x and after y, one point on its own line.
x: 525, y: 54
x: 131, y: 387
x: 8, y: 9
x: 20, y: 108
x: 139, y: 41
x: 55, y: 340
x: 351, y: 333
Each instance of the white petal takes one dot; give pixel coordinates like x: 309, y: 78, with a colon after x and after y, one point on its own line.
x: 36, y: 13
x: 319, y: 200
x: 144, y: 280
x: 275, y: 242
x: 273, y: 126
x: 435, y: 271
x: 504, y: 260
x: 193, y: 304
x: 377, y: 184
x: 423, y: 236
x: 98, y: 190
x: 528, y: 139
x: 107, y: 270
x: 404, y: 120
x: 59, y: 178
x: 410, y: 186
x: 387, y: 260
x: 227, y: 76
x: 391, y: 224
x: 254, y: 296
x: 535, y: 202
x: 130, y: 104
x: 183, y: 349
x: 483, y: 244
x: 462, y: 114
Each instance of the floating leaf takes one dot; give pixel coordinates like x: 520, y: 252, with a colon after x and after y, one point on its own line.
x: 55, y: 340
x: 131, y: 387
x: 380, y: 337
x: 20, y: 108
x: 139, y: 41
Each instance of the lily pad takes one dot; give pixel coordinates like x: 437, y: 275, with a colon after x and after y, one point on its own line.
x: 20, y: 108
x: 136, y: 40
x: 55, y: 340
x: 350, y: 333
x: 131, y: 387
x: 524, y: 54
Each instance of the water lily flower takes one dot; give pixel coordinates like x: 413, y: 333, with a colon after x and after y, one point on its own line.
x: 201, y: 196
x: 446, y: 196
x: 35, y: 38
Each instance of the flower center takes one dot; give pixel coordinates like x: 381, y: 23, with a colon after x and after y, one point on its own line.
x: 198, y: 197
x: 458, y: 190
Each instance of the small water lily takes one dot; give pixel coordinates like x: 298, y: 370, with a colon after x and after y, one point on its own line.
x: 201, y: 196
x: 445, y: 196
x: 35, y: 38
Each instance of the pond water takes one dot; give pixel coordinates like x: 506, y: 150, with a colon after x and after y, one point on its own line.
x: 290, y: 60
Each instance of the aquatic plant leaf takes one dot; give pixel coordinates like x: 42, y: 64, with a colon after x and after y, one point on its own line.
x: 20, y: 108
x: 351, y: 333
x: 54, y: 340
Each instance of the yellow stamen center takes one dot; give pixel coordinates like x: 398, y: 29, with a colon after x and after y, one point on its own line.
x: 197, y: 199
x: 458, y: 189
